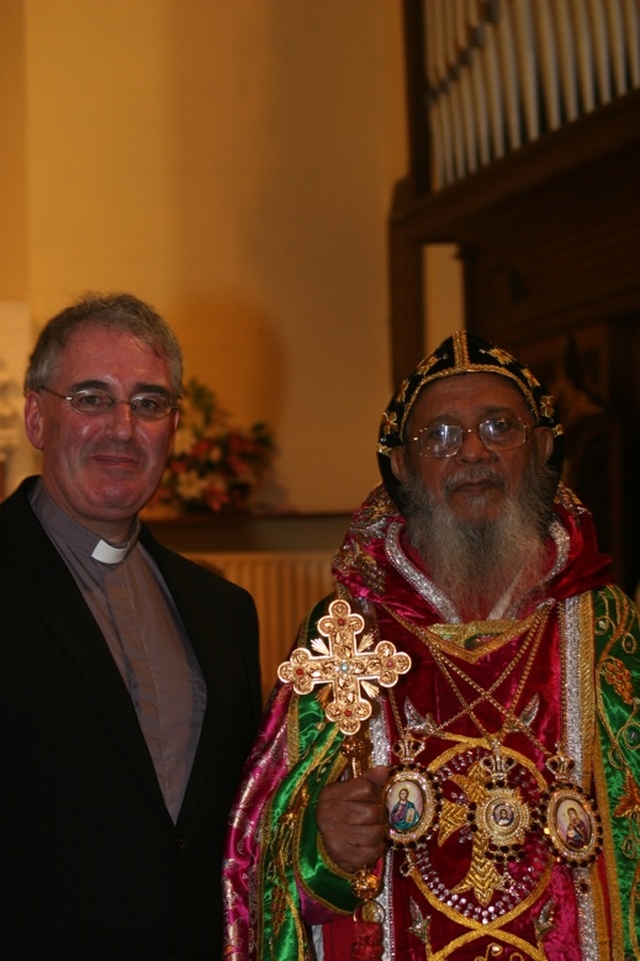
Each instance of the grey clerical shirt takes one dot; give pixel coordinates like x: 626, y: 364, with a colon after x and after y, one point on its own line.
x: 147, y: 639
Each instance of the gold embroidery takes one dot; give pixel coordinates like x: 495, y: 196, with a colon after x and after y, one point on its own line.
x: 619, y: 677
x: 629, y: 804
x: 478, y: 637
x: 283, y: 844
x: 452, y: 818
x: 389, y: 423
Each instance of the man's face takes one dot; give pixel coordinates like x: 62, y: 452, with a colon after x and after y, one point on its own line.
x: 102, y: 469
x: 476, y: 482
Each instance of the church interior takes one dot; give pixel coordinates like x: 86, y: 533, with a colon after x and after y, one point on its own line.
x: 314, y: 194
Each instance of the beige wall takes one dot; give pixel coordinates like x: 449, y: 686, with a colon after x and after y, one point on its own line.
x: 444, y: 303
x: 232, y: 162
x: 13, y: 171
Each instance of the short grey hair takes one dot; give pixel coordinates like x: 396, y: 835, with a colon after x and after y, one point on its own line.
x: 115, y: 311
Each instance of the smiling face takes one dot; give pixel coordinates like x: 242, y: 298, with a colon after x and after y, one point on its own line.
x: 101, y: 470
x: 476, y: 482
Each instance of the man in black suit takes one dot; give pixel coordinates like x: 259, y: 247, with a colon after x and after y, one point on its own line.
x: 129, y: 677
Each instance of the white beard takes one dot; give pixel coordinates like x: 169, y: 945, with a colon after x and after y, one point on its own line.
x: 476, y: 563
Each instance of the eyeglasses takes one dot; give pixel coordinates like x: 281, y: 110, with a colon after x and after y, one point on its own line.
x: 496, y: 433
x: 92, y: 402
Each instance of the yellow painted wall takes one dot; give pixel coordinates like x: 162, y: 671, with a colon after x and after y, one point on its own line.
x: 13, y: 220
x: 444, y: 302
x: 232, y: 162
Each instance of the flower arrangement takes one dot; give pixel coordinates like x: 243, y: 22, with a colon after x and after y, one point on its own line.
x: 214, y: 468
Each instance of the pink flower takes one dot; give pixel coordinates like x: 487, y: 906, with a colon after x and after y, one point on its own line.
x: 214, y: 467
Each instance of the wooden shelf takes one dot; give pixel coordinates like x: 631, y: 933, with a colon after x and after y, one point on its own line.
x: 225, y: 532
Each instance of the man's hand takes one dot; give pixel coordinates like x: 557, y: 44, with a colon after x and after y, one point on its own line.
x: 352, y: 820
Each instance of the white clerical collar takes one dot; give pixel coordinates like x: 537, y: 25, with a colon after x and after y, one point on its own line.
x: 108, y: 554
x: 65, y: 531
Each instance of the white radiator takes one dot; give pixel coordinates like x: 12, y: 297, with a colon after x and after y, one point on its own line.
x: 285, y: 585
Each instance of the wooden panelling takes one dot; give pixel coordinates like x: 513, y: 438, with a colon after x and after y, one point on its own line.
x: 550, y: 240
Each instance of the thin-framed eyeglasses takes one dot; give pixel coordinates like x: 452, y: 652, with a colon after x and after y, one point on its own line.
x: 93, y: 401
x: 496, y: 433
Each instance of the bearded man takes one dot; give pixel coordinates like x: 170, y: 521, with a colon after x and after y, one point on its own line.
x: 474, y: 659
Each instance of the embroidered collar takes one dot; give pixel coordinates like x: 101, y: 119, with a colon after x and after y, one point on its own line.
x: 434, y: 596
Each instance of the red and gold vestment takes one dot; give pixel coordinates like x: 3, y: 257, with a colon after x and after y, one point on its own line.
x: 524, y: 772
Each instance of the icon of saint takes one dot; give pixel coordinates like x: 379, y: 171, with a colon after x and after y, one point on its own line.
x: 576, y: 833
x: 404, y: 815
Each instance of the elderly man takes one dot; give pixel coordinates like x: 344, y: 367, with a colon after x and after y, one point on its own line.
x: 475, y: 662
x: 129, y: 677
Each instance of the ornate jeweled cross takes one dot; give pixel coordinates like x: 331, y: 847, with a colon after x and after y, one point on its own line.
x: 349, y: 667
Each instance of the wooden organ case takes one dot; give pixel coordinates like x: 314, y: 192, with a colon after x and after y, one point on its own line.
x: 524, y: 151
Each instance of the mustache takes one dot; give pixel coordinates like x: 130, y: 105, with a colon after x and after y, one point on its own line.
x: 480, y: 473
x: 117, y: 448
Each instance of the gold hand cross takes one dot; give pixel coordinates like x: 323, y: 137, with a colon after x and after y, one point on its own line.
x: 347, y: 666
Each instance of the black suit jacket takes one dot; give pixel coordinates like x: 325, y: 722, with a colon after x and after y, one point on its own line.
x: 92, y: 866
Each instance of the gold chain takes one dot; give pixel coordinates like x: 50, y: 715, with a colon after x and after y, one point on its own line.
x: 448, y: 668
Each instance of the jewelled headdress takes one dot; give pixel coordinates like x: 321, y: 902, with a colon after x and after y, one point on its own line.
x: 463, y: 353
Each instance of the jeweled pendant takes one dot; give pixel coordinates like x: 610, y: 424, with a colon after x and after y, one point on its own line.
x: 501, y: 815
x: 568, y: 818
x: 412, y: 796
